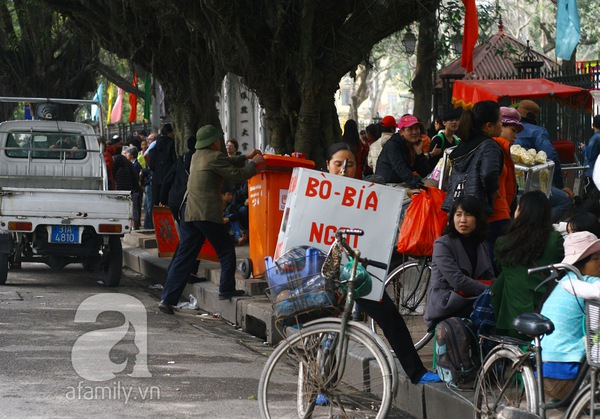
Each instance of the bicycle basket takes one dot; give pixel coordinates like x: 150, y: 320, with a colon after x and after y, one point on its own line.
x: 297, y: 289
x: 592, y: 332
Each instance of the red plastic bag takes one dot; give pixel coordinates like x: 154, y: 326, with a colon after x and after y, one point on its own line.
x: 423, y: 223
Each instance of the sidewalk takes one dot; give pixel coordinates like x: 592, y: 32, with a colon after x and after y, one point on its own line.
x: 253, y: 314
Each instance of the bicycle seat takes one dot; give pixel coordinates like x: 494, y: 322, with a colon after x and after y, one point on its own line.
x: 533, y: 324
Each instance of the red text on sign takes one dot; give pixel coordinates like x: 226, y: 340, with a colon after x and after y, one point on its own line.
x: 320, y: 233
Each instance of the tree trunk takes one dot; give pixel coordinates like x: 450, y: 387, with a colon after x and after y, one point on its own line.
x: 360, y: 90
x: 422, y: 84
x: 569, y: 67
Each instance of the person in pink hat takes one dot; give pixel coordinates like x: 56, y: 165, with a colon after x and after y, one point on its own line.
x: 564, y: 349
x: 402, y: 159
x: 388, y: 128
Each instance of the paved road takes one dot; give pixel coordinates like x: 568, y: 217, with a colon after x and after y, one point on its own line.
x: 195, y: 366
x: 122, y: 357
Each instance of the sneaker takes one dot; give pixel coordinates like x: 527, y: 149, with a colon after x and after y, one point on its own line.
x: 322, y: 400
x: 430, y: 377
x: 227, y: 295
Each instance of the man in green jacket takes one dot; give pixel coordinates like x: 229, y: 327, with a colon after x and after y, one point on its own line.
x: 202, y: 215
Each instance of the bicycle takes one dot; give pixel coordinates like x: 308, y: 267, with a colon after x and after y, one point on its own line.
x: 407, y: 286
x: 332, y: 366
x: 506, y: 384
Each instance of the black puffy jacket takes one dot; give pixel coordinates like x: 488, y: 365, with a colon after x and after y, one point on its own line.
x: 477, y: 164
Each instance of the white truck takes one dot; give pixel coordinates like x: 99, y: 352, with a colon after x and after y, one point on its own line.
x: 55, y: 203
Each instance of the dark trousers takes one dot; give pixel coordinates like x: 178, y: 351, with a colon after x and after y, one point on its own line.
x: 136, y: 201
x: 388, y: 318
x: 156, y: 187
x: 191, y: 238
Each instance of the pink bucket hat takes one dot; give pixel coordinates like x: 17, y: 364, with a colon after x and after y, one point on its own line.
x: 580, y: 245
x: 408, y: 121
x: 510, y: 116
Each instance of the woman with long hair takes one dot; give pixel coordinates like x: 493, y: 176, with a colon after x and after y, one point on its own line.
x: 352, y: 138
x: 460, y: 260
x: 477, y: 161
x: 529, y: 241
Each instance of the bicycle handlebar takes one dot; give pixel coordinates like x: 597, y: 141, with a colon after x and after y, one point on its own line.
x: 339, y: 235
x: 554, y: 271
x: 350, y: 231
x: 374, y: 263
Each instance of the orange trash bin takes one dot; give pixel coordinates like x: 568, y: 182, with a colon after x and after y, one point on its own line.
x: 267, y: 192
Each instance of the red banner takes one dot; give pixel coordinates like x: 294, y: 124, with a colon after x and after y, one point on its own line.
x: 167, y: 237
x: 470, y: 34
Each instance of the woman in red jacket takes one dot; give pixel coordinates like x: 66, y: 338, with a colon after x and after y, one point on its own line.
x: 507, y: 184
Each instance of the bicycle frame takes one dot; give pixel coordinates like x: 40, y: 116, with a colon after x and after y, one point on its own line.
x: 343, y: 348
x: 535, y: 350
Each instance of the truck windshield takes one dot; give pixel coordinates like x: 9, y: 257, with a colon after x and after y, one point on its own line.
x: 45, y: 146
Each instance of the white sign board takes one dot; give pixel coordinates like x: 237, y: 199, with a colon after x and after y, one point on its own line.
x: 318, y: 204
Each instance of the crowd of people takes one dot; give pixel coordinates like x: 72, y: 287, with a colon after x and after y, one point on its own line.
x: 495, y: 233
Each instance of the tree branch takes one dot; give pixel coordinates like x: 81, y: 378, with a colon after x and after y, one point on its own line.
x: 114, y: 77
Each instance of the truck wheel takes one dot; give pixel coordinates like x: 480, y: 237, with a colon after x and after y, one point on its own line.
x: 3, y: 268
x: 114, y: 262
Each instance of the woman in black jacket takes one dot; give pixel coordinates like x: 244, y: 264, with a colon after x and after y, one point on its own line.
x: 477, y: 161
x: 175, y: 182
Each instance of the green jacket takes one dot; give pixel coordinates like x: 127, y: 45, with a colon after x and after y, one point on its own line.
x: 208, y: 170
x: 513, y: 292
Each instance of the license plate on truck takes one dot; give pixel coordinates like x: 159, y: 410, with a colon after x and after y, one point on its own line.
x: 65, y: 234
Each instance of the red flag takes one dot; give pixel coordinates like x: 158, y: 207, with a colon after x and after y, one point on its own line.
x: 470, y: 35
x: 133, y: 101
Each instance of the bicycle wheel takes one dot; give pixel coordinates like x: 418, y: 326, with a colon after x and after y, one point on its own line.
x: 407, y: 287
x: 504, y: 384
x: 361, y: 327
x: 581, y: 405
x: 305, y: 367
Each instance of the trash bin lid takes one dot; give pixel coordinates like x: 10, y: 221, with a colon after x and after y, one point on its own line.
x: 273, y: 162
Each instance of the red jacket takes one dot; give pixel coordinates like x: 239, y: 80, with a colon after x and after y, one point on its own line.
x: 507, y: 184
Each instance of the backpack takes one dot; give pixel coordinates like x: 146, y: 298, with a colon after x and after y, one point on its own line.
x: 443, y: 137
x: 457, y: 352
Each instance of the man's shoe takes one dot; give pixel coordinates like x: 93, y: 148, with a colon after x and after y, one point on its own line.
x: 193, y: 279
x: 166, y: 307
x: 227, y: 295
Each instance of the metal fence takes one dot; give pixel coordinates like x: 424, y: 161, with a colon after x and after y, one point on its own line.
x: 563, y: 122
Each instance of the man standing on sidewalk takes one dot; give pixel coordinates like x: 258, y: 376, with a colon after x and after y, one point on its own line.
x: 202, y: 216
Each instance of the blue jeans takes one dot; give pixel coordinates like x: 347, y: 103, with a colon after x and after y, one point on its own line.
x: 191, y: 238
x: 148, y: 223
x: 236, y: 230
x: 561, y: 203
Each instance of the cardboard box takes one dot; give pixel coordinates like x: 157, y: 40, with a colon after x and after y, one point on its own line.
x: 318, y: 204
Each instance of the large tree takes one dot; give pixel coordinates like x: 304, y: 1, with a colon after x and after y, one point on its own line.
x: 292, y: 54
x: 156, y: 38
x: 39, y: 57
